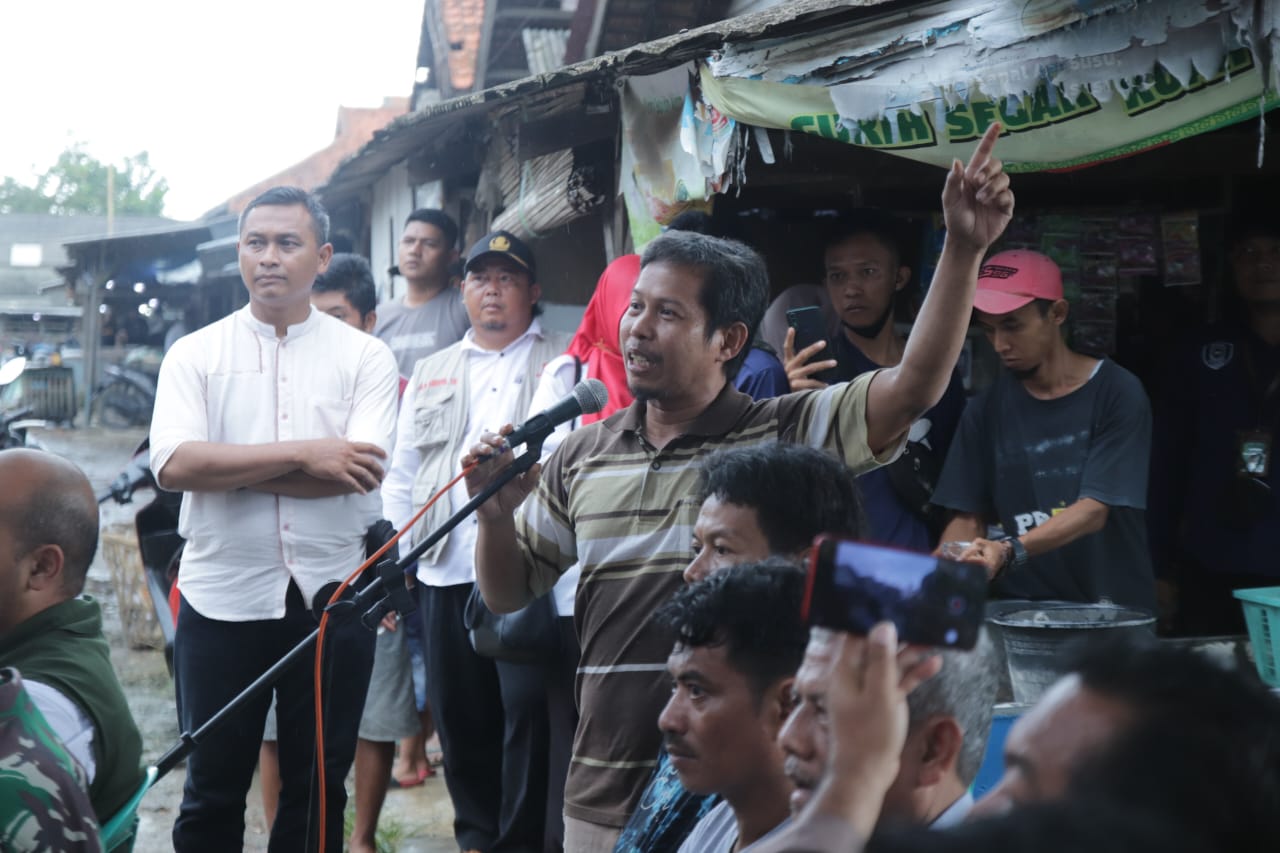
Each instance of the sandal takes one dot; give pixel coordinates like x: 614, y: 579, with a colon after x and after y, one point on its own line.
x: 422, y: 777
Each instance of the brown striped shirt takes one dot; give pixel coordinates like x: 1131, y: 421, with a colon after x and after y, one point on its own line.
x: 624, y: 511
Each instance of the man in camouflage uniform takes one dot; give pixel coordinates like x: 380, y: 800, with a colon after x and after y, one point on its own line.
x: 44, y: 796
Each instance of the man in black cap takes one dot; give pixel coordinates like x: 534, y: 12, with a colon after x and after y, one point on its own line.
x: 491, y: 715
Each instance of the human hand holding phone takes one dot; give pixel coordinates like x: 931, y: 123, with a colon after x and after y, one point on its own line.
x: 853, y: 585
x: 806, y: 341
x: 870, y: 678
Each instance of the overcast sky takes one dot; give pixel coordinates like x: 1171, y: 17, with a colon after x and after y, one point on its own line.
x: 220, y: 94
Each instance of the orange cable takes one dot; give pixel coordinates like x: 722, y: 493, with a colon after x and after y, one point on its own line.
x: 324, y: 623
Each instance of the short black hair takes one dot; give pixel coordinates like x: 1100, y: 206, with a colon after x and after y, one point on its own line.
x: 867, y: 222
x: 797, y: 492
x: 735, y: 282
x: 438, y: 218
x: 753, y: 610
x: 62, y: 517
x: 286, y: 196
x: 702, y: 222
x: 1203, y: 744
x: 350, y: 275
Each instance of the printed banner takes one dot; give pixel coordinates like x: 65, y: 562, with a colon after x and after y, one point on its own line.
x: 1060, y: 111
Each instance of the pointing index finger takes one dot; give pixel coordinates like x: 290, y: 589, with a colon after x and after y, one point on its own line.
x: 985, y: 146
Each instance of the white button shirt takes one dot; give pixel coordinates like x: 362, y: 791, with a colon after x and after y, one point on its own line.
x: 235, y: 382
x: 495, y: 379
x: 557, y: 382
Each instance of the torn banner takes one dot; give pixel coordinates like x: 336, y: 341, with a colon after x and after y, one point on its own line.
x: 1108, y: 87
x: 677, y: 152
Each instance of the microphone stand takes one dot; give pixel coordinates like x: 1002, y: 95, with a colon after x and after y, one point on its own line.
x: 378, y: 598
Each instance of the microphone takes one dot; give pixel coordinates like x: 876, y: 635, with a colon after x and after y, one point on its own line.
x: 588, y: 397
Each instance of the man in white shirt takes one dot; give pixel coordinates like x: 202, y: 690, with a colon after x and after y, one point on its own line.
x: 491, y: 715
x: 274, y: 422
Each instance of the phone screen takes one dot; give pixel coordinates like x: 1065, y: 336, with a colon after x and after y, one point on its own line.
x: 811, y: 326
x: 932, y: 601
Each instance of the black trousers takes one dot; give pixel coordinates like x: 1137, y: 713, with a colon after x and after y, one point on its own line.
x: 492, y: 720
x: 212, y: 662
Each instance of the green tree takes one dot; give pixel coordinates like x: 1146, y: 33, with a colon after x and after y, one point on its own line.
x: 77, y: 183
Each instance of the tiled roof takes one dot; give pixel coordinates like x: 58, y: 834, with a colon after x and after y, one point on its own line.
x: 356, y: 126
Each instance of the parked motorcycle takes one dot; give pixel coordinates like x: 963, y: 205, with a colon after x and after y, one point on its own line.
x: 158, y: 540
x: 125, y: 398
x: 16, y: 423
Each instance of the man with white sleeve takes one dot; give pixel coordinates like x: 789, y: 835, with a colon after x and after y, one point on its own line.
x: 274, y: 422
x: 490, y: 715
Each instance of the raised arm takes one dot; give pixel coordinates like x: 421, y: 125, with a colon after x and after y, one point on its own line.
x: 977, y: 205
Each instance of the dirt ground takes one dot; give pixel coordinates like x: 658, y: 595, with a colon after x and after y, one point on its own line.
x: 414, y: 820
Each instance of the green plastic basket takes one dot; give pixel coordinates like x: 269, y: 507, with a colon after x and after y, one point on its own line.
x: 1262, y: 615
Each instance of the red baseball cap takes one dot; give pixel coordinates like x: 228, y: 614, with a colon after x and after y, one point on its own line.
x: 1009, y: 280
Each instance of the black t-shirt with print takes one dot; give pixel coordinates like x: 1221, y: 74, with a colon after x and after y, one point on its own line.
x: 1020, y: 460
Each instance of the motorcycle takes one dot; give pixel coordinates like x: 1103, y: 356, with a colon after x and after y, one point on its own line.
x: 125, y: 398
x: 158, y: 540
x: 16, y: 423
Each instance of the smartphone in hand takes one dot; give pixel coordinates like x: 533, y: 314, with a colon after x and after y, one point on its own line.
x: 810, y: 324
x: 932, y: 601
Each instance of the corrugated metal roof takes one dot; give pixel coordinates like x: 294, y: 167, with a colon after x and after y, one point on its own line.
x: 138, y: 234
x: 51, y: 229
x: 405, y: 136
x: 544, y: 49
x: 213, y: 227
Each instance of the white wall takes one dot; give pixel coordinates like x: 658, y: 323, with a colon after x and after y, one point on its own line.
x: 392, y: 202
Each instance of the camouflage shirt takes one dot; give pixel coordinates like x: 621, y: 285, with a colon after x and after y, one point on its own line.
x: 44, y: 797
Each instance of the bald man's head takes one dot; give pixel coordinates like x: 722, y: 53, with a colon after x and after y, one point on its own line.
x: 46, y: 500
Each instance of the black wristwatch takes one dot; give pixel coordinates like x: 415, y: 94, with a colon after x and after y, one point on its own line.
x: 1017, y: 554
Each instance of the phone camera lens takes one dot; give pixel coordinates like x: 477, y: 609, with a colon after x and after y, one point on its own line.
x: 956, y: 605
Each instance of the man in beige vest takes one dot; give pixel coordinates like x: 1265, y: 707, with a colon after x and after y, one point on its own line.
x: 491, y: 715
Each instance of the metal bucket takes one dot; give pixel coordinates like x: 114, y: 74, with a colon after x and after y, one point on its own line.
x: 1034, y: 639
x: 999, y: 607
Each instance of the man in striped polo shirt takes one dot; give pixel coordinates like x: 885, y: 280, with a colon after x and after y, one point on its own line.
x: 619, y: 497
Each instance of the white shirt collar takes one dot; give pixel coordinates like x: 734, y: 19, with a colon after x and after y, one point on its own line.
x: 955, y: 813
x: 469, y: 339
x: 267, y: 330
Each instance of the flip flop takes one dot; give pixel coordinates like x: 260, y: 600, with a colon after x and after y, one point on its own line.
x: 422, y: 776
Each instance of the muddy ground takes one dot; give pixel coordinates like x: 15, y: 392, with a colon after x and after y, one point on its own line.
x: 415, y: 820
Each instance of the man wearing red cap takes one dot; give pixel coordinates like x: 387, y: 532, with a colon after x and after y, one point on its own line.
x: 1056, y: 452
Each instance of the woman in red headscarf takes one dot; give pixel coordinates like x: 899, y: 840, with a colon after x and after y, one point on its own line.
x: 595, y: 344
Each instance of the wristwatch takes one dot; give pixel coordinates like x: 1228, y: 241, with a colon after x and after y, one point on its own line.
x: 1017, y: 554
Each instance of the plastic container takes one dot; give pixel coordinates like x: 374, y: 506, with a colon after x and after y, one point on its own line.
x: 1034, y: 639
x: 1262, y: 616
x: 999, y: 607
x: 992, y: 769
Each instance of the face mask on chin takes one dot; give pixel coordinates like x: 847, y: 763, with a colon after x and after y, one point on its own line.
x: 871, y: 330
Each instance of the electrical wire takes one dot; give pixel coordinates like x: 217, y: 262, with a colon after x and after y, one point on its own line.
x: 324, y: 624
